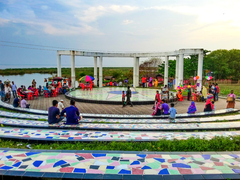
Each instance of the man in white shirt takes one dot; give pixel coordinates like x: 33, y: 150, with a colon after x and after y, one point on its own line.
x: 24, y: 103
x: 60, y: 105
x: 14, y: 90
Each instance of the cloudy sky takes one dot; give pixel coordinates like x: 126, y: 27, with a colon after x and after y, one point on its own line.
x: 104, y: 25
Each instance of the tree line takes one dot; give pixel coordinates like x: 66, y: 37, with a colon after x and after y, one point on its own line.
x: 223, y: 64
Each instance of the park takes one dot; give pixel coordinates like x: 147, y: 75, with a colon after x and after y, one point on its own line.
x: 119, y: 90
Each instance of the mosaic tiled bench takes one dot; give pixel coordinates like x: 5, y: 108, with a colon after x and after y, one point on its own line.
x: 74, y: 135
x: 119, y: 165
x: 117, y: 116
x: 128, y: 127
x: 125, y: 121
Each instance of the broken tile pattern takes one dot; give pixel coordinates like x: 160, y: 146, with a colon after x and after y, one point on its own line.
x: 74, y: 135
x: 117, y: 163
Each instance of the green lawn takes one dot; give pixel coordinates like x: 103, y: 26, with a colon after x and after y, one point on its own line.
x: 225, y: 89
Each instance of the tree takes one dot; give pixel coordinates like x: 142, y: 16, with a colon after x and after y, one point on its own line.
x: 171, y: 68
x: 150, y: 67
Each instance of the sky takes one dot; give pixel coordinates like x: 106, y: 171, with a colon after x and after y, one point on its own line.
x: 26, y: 26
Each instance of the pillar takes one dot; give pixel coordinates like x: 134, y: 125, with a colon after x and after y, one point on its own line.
x: 134, y: 72
x: 166, y: 71
x: 137, y: 71
x: 95, y: 70
x: 73, y: 69
x: 100, y: 72
x: 59, y: 71
x: 180, y: 71
x: 200, y: 71
x: 176, y: 72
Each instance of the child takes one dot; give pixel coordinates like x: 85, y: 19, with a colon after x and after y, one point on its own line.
x: 123, y: 98
x: 213, y: 106
x: 172, y: 112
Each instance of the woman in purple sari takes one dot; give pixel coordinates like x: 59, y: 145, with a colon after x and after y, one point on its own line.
x: 192, y: 108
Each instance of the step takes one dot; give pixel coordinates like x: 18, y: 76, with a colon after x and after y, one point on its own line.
x: 74, y: 135
x: 119, y: 165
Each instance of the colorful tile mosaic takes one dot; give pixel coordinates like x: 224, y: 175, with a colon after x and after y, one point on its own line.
x: 74, y: 135
x: 35, y: 111
x: 136, y: 127
x: 126, y: 121
x: 118, y: 163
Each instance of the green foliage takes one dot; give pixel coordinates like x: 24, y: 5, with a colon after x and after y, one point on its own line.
x: 192, y: 144
x: 171, y: 69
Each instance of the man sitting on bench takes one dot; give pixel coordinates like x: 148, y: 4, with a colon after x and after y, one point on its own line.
x: 53, y: 113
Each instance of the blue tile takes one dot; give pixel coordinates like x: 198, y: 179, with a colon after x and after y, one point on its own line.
x: 17, y: 164
x: 32, y: 153
x: 59, y: 163
x: 78, y: 170
x: 159, y: 159
x: 146, y: 167
x: 163, y: 171
x: 14, y: 173
x: 142, y: 155
x: 110, y: 167
x: 206, y: 156
x: 9, y: 157
x: 37, y: 163
x: 236, y: 170
x: 98, y: 155
x: 182, y: 158
x: 6, y: 167
x: 123, y: 171
x: 52, y: 175
x: 234, y: 155
x: 49, y: 137
x: 33, y: 174
x: 135, y: 163
x: 72, y: 176
x: 180, y: 165
x: 70, y: 138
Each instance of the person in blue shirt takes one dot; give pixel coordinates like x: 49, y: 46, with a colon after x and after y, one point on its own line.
x: 72, y: 112
x: 172, y: 112
x: 53, y: 113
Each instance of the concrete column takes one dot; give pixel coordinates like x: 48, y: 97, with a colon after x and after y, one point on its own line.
x: 176, y: 72
x: 59, y: 70
x: 100, y: 72
x: 200, y: 71
x: 95, y: 70
x: 166, y: 71
x: 180, y: 72
x: 134, y: 71
x: 73, y: 69
x: 137, y: 71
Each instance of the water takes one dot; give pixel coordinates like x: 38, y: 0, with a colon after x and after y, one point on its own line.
x: 26, y: 79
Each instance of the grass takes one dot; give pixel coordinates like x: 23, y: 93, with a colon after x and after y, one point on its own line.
x: 225, y: 89
x: 191, y: 144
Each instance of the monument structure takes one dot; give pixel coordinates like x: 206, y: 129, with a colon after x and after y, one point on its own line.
x: 179, y: 54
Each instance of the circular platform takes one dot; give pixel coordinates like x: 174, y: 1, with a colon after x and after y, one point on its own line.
x: 113, y: 95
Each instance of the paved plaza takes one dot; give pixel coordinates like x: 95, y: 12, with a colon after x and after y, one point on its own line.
x: 43, y: 103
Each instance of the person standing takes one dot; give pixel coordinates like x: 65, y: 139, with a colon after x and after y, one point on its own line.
x: 217, y: 91
x: 143, y: 81
x: 73, y: 115
x: 231, y: 103
x: 172, y: 112
x: 14, y: 89
x: 189, y: 91
x: 157, y: 97
x: 7, y: 92
x: 53, y: 113
x: 129, y: 94
x: 2, y: 92
x: 210, y: 88
x: 123, y: 98
x: 60, y: 105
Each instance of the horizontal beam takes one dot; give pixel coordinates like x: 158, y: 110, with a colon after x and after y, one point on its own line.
x: 122, y: 54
